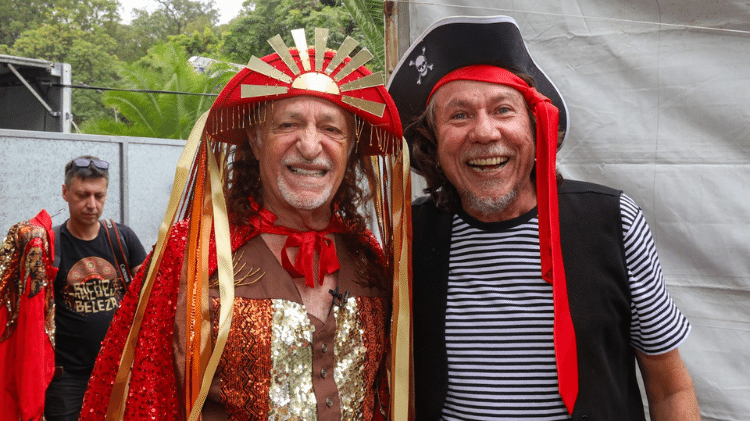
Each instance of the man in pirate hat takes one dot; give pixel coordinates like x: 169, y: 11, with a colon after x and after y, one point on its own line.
x: 276, y: 305
x: 533, y: 297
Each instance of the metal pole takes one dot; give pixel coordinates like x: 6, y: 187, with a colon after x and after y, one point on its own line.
x: 124, y: 182
x: 33, y: 91
x: 390, y: 12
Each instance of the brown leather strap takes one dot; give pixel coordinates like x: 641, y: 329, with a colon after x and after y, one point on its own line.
x: 121, y: 263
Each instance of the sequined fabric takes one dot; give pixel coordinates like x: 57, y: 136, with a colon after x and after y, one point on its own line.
x: 26, y: 269
x: 291, y: 395
x: 152, y: 392
x: 266, y: 367
x: 27, y: 324
x: 246, y: 360
x: 275, y: 333
x: 360, y: 339
x: 150, y: 396
x: 11, y: 287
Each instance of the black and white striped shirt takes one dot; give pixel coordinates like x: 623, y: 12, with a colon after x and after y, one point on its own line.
x: 501, y: 357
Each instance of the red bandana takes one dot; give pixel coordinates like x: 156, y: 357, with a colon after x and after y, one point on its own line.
x: 549, y: 219
x: 308, y: 242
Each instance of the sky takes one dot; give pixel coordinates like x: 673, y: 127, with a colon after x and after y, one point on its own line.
x: 228, y: 9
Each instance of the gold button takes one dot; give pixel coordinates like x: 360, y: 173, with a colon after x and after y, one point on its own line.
x: 329, y: 402
x: 323, y: 373
x: 324, y: 347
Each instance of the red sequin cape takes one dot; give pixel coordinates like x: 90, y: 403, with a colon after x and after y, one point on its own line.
x: 152, y: 392
x: 27, y: 354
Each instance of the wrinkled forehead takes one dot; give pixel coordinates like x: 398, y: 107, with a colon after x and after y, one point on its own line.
x: 309, y: 111
x: 472, y: 91
x: 93, y: 183
x: 307, y: 107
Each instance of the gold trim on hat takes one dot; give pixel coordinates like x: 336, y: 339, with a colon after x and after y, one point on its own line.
x: 321, y: 40
x: 300, y: 42
x: 344, y: 50
x: 372, y: 107
x: 282, y: 50
x: 362, y: 57
x: 324, y: 81
x: 257, y: 65
x: 254, y: 91
x: 369, y: 81
x: 316, y: 82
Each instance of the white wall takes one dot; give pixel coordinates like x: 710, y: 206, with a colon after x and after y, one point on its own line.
x: 33, y: 171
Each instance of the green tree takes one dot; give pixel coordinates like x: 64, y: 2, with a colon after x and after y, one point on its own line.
x: 368, y: 16
x: 185, y: 16
x: 85, y: 14
x: 17, y: 16
x: 205, y: 44
x: 264, y: 19
x: 171, y: 18
x: 89, y: 53
x: 156, y: 114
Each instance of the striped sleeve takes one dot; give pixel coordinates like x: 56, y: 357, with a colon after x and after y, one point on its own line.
x: 657, y: 326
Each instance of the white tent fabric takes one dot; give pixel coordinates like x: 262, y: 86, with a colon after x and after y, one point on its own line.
x: 658, y: 99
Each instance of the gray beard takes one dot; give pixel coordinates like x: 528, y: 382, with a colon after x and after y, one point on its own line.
x: 486, y: 205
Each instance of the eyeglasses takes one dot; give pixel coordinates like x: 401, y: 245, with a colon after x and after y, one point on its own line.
x: 85, y: 162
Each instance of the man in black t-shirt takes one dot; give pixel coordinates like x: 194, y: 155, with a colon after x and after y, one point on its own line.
x: 91, y: 281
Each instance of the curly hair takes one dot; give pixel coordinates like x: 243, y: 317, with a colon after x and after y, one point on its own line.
x: 243, y: 182
x: 421, y: 134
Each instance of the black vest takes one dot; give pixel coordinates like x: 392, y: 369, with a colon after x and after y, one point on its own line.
x: 591, y: 233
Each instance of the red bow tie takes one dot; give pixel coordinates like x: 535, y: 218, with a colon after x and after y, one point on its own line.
x: 308, y: 242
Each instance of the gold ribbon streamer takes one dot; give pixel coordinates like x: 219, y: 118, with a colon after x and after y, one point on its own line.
x: 402, y: 384
x: 226, y: 279
x: 198, y: 235
x: 116, y: 408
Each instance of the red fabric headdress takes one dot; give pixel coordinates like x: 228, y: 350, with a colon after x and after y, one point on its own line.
x: 313, y: 71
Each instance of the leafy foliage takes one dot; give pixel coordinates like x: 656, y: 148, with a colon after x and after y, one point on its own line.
x: 89, y: 35
x: 17, y: 16
x: 161, y: 115
x: 368, y: 16
x: 205, y: 44
x: 264, y: 19
x: 89, y: 52
x: 172, y: 18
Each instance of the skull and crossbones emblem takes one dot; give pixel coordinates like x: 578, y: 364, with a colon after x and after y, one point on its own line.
x: 421, y: 65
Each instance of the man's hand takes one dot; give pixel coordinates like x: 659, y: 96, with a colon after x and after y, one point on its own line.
x: 135, y: 270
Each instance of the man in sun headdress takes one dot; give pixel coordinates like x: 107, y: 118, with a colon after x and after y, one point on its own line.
x: 529, y: 302
x: 277, y: 306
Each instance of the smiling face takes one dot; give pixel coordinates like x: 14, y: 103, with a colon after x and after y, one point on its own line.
x: 302, y: 148
x: 486, y: 148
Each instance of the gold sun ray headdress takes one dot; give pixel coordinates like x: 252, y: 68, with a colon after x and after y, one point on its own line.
x: 200, y: 182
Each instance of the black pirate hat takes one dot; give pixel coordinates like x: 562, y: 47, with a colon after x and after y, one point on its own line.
x: 460, y: 41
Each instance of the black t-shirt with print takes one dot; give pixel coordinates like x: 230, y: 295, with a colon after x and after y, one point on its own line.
x: 88, y: 290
